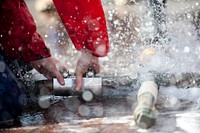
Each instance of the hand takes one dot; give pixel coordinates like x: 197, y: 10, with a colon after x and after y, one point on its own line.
x: 49, y: 68
x: 85, y: 61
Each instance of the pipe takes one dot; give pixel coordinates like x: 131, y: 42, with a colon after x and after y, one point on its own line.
x: 92, y: 86
x: 144, y: 113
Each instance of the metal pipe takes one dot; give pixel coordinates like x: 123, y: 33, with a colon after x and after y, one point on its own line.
x: 46, y: 100
x: 52, y: 87
x: 144, y: 113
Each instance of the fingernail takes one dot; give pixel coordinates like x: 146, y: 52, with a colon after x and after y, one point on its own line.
x: 77, y: 89
x: 62, y: 83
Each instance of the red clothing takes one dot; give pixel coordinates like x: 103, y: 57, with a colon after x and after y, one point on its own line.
x: 18, y: 36
x: 86, y: 24
x: 83, y: 19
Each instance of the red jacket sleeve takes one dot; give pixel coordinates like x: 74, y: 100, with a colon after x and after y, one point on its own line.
x: 18, y: 36
x: 85, y: 23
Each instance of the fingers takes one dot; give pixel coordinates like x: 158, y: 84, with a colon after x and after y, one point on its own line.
x: 62, y: 69
x: 81, y: 69
x: 47, y: 76
x: 53, y: 72
x: 59, y: 77
x: 82, y: 66
x: 96, y: 68
x: 79, y: 82
x: 47, y: 67
x: 57, y: 73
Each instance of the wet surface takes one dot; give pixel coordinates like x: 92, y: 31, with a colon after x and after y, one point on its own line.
x: 114, y: 113
x: 178, y: 100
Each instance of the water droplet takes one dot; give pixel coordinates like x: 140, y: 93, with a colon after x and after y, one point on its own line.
x: 2, y: 67
x: 84, y: 110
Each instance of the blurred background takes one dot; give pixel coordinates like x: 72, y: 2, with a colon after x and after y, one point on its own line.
x: 144, y: 35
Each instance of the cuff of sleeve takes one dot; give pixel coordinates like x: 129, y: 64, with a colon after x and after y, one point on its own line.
x: 36, y: 56
x: 35, y: 50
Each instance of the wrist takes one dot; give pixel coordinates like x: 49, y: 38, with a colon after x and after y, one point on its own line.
x: 88, y: 53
